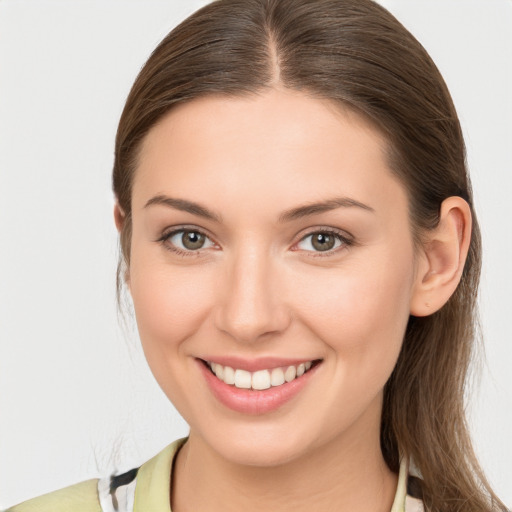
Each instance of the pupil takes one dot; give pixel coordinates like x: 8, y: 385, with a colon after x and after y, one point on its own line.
x: 192, y: 240
x: 323, y: 242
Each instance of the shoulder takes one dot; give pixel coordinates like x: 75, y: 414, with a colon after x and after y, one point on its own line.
x: 82, y: 497
x: 140, y: 489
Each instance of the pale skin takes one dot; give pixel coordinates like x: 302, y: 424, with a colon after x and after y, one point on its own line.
x: 258, y: 287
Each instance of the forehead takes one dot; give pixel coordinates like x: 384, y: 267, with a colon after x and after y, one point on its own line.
x: 279, y: 147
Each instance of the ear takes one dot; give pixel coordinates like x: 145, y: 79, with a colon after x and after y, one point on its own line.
x: 119, y: 217
x: 442, y: 257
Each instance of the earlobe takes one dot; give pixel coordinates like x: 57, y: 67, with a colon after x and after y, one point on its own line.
x: 442, y: 258
x: 119, y: 217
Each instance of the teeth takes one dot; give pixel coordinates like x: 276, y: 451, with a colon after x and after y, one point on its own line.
x: 277, y: 377
x: 242, y: 379
x: 229, y: 375
x: 262, y: 379
x: 219, y: 371
x: 290, y: 373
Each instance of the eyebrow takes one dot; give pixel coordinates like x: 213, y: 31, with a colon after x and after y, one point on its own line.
x: 184, y: 206
x: 287, y: 216
x: 322, y: 206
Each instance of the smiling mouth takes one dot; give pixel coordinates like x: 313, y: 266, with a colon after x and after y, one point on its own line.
x: 261, y: 379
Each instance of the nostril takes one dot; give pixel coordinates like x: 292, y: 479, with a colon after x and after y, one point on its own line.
x: 252, y: 324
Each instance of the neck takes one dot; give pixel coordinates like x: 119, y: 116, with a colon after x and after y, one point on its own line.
x: 348, y: 473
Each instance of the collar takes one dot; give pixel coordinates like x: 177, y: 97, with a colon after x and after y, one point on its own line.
x: 153, y: 477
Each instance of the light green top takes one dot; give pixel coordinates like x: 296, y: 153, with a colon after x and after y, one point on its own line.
x: 152, y: 490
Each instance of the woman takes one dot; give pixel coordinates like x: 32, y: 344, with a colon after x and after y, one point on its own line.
x: 303, y: 256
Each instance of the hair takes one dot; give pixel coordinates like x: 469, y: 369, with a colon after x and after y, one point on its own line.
x: 356, y: 54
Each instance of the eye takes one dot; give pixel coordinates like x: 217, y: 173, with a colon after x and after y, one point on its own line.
x: 322, y: 241
x: 186, y: 241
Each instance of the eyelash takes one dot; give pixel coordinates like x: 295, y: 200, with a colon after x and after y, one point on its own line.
x: 345, y: 240
x: 166, y: 236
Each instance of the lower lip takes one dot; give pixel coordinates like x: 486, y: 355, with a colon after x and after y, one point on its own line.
x: 249, y: 401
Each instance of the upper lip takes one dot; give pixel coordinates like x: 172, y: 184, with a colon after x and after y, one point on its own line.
x: 253, y: 365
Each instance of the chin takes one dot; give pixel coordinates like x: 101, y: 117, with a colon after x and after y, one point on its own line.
x: 258, y: 447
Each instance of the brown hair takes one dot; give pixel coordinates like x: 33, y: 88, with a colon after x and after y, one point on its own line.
x: 356, y: 53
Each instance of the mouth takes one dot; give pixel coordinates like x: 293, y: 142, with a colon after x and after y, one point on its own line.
x: 258, y: 392
x: 261, y: 379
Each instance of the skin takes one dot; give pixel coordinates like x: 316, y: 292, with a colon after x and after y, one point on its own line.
x: 259, y: 288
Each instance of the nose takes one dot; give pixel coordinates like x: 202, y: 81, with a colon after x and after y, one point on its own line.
x: 251, y: 304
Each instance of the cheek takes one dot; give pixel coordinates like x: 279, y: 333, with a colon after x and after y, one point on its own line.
x: 360, y: 310
x: 170, y: 304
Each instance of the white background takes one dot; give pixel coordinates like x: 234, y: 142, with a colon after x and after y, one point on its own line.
x: 76, y: 397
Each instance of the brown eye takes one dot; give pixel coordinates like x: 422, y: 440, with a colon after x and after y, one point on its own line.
x: 187, y: 240
x: 322, y: 241
x: 192, y: 240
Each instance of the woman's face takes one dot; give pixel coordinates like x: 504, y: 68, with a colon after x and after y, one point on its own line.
x: 270, y: 238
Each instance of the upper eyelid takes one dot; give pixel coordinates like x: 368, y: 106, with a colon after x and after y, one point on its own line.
x: 345, y: 238
x: 166, y: 233
x: 344, y: 235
